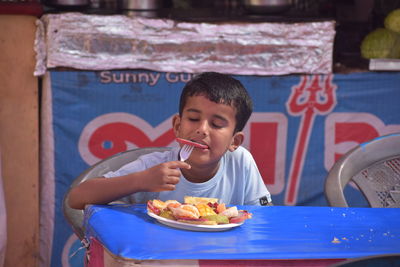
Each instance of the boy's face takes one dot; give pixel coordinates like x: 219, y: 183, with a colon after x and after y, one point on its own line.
x: 208, y: 123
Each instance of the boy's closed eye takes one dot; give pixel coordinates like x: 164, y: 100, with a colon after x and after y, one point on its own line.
x: 215, y: 123
x: 218, y: 123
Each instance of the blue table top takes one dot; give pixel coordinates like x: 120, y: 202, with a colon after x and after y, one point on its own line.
x: 277, y: 232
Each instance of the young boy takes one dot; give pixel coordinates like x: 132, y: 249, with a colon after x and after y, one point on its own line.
x: 213, y: 111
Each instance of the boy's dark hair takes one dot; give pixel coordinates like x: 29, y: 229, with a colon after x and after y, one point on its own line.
x: 223, y: 89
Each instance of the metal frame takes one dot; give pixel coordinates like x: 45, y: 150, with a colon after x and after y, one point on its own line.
x: 74, y: 216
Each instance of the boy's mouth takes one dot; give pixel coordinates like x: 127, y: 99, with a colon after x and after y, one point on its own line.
x: 203, y: 145
x: 192, y: 142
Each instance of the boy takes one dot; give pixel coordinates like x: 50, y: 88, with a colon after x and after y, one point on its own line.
x: 213, y: 111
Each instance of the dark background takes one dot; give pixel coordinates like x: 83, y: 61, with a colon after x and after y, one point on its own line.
x: 354, y: 18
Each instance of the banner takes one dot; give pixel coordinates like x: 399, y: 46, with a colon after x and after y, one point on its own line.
x: 300, y: 126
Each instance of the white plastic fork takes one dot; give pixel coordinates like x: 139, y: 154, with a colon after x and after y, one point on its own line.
x: 185, y: 152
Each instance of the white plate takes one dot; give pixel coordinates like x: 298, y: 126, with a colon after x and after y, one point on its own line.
x: 194, y: 227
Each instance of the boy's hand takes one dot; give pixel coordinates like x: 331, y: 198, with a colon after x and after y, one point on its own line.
x: 165, y: 176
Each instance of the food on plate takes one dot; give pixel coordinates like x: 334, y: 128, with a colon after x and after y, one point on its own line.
x: 199, y: 222
x: 242, y: 216
x: 190, y: 143
x: 157, y: 205
x: 230, y: 212
x: 185, y: 211
x: 204, y: 209
x: 197, y: 210
x: 167, y: 214
x: 219, y: 219
x: 198, y: 200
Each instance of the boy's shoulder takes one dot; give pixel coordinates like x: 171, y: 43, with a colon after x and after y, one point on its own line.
x: 240, y: 150
x: 241, y: 153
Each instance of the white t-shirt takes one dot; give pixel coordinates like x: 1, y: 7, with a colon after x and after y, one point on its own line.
x: 237, y: 182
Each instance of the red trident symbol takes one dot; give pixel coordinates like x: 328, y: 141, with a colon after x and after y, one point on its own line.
x: 306, y: 102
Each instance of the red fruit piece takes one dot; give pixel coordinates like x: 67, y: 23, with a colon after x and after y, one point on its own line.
x: 152, y: 208
x: 243, y: 215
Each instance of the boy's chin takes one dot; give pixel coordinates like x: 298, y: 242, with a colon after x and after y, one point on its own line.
x: 196, y: 160
x: 201, y: 161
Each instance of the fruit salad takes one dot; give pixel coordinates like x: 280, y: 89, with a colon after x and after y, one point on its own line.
x: 198, y: 210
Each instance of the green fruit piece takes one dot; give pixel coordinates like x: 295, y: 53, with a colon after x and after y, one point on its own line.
x: 392, y: 21
x: 167, y: 214
x: 220, y: 219
x: 381, y: 43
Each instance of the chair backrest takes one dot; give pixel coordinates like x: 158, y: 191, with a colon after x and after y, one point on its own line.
x: 74, y: 216
x: 374, y: 167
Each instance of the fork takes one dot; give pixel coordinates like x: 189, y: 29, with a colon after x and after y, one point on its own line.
x: 185, y: 152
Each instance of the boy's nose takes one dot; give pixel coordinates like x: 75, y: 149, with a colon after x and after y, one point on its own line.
x: 199, y: 132
x: 202, y: 129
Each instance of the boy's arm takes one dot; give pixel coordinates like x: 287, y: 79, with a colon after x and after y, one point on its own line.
x: 162, y: 177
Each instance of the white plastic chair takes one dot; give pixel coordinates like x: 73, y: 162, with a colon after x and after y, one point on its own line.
x: 374, y: 167
x: 74, y: 216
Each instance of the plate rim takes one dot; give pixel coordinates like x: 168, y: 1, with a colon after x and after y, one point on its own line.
x: 176, y: 224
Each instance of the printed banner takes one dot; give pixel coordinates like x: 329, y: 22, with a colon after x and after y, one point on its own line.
x: 300, y: 126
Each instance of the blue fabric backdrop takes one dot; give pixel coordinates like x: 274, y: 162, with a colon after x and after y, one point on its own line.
x: 300, y: 126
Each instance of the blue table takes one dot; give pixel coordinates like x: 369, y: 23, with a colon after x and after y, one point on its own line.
x: 278, y: 232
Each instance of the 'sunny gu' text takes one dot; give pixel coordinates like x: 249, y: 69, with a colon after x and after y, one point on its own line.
x: 151, y: 78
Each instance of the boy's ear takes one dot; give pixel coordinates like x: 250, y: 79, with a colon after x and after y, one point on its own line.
x: 237, y: 140
x: 176, y: 123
